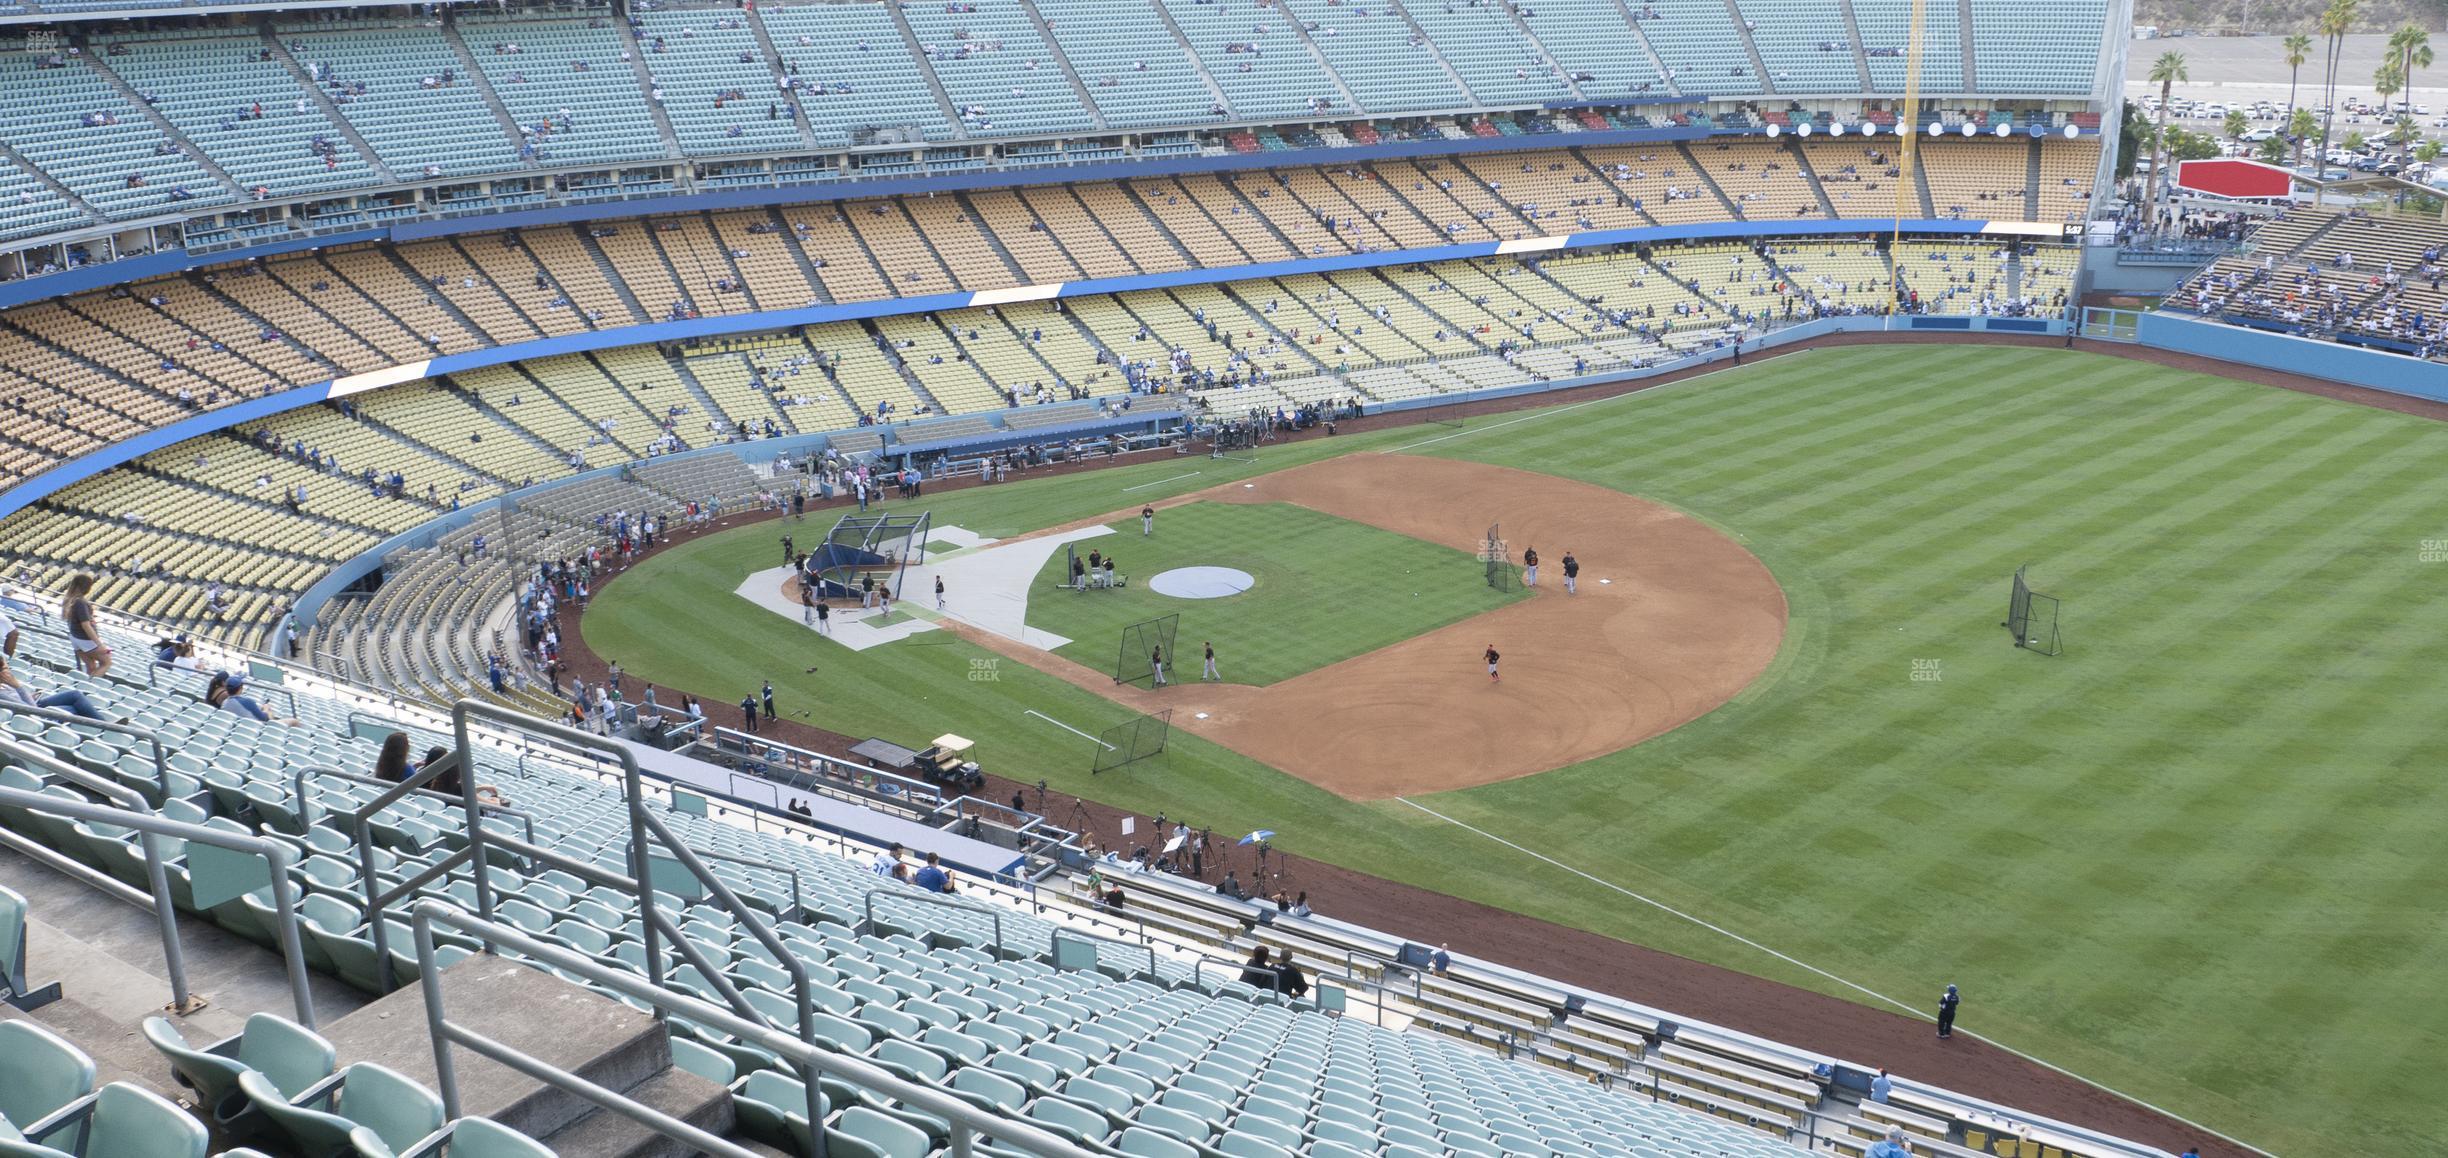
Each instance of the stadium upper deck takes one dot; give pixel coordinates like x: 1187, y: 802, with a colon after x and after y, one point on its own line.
x: 84, y: 370
x: 249, y: 126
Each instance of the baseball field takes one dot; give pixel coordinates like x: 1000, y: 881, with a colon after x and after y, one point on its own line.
x: 2196, y: 858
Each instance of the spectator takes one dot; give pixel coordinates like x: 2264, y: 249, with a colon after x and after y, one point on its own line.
x: 1259, y: 972
x: 450, y: 784
x: 933, y: 878
x: 888, y: 860
x: 228, y: 693
x: 1290, y: 980
x: 93, y: 657
x: 1441, y: 963
x: 392, y: 766
x: 1892, y: 1146
x: 71, y: 700
x: 175, y: 653
x: 1231, y: 886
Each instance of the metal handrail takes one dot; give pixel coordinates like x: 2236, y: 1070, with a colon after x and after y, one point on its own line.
x: 935, y: 899
x: 283, y: 692
x: 148, y: 827
x: 363, y: 834
x: 161, y: 761
x: 642, y: 825
x: 305, y: 804
x: 157, y: 877
x: 798, y: 896
x: 1149, y: 947
x: 966, y: 1121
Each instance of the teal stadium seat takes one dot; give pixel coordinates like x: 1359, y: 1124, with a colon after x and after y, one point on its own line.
x: 291, y: 1058
x: 41, y: 1073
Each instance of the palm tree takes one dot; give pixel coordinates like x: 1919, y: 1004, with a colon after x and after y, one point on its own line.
x: 2298, y: 50
x: 2410, y: 49
x: 2299, y: 127
x: 2334, y: 24
x: 2388, y: 82
x: 2166, y: 71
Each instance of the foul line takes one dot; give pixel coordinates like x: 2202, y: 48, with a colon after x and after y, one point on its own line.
x: 1160, y: 482
x: 1068, y: 728
x: 1807, y: 966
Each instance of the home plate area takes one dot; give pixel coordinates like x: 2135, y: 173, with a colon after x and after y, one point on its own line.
x: 986, y: 586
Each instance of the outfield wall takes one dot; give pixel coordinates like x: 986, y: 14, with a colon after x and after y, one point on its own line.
x: 2310, y: 357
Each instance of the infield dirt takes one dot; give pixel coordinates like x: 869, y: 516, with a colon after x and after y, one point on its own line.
x: 1673, y: 619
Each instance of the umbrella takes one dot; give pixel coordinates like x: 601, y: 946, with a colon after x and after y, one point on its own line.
x: 1261, y: 834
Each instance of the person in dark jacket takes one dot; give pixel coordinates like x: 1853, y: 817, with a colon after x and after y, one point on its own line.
x: 1259, y: 972
x: 1290, y: 980
x: 1946, y: 1012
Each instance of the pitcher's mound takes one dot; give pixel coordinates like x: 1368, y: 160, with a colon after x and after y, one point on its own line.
x: 1200, y: 582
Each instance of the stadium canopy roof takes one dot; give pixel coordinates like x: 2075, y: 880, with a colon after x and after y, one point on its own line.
x: 2236, y: 179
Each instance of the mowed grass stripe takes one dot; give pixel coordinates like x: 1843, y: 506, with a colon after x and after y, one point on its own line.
x: 2175, y: 626
x: 2238, y: 464
x: 1811, y: 482
x: 1793, y: 416
x: 2189, y: 858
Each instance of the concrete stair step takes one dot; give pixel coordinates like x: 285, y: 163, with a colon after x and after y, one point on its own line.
x: 107, y: 956
x: 540, y: 1015
x: 681, y: 1094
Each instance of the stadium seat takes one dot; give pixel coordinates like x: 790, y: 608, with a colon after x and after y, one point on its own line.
x: 480, y: 1138
x: 15, y: 988
x: 859, y: 1132
x: 398, y: 1112
x: 290, y: 1057
x: 118, y: 1121
x: 40, y: 1072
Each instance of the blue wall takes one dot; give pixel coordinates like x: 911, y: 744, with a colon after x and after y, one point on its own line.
x: 2310, y: 357
x: 77, y: 470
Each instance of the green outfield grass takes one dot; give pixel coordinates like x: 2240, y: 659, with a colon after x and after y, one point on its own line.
x: 2198, y: 857
x: 1305, y: 608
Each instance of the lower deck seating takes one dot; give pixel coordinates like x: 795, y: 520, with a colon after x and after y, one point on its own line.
x: 1154, y: 1060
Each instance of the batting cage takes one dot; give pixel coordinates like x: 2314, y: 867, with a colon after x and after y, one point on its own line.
x: 1239, y: 438
x: 860, y: 546
x: 1131, y: 742
x: 2032, y: 617
x: 1496, y: 559
x: 1136, y: 663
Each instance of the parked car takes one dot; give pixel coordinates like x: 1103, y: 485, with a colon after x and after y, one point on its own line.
x: 2256, y: 136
